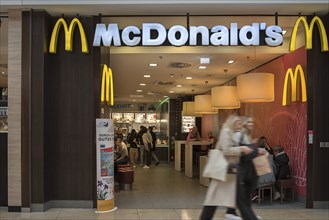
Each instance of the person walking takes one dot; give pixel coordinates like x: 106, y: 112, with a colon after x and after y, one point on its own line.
x: 154, y: 139
x: 222, y: 193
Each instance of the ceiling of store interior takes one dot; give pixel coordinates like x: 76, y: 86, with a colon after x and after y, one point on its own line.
x: 129, y: 65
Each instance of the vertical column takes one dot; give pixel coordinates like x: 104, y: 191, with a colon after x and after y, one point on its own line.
x: 14, y: 109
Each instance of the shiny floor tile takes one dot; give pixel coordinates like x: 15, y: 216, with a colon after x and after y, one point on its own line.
x: 163, y: 193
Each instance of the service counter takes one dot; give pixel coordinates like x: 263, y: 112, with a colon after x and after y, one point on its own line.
x: 161, y: 152
x: 189, y: 146
x: 187, y: 153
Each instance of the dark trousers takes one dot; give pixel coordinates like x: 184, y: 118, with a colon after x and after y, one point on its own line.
x: 247, y: 181
x: 208, y: 212
x: 148, y: 155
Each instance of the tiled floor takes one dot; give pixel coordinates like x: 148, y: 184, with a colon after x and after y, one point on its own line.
x: 163, y: 193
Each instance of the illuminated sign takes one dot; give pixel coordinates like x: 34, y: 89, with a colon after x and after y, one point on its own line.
x: 293, y: 76
x: 68, y: 31
x: 309, y: 33
x: 107, y: 85
x: 178, y: 35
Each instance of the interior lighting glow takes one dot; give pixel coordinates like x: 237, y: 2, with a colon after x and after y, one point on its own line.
x: 255, y: 87
x: 147, y: 76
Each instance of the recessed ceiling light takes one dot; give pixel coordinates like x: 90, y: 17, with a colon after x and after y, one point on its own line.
x: 188, y: 77
x: 142, y: 84
x: 134, y: 100
x: 204, y: 60
x: 171, y: 75
x: 230, y: 61
x: 165, y: 96
x: 153, y: 64
x: 171, y: 91
x: 136, y: 96
x: 178, y: 85
x: 139, y: 90
x: 147, y: 76
x: 202, y: 67
x: 284, y: 32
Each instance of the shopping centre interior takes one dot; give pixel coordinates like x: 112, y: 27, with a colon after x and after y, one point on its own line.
x: 50, y: 101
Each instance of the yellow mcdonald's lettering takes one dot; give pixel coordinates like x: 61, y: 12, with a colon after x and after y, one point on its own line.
x: 293, y: 75
x: 107, y: 84
x: 309, y: 34
x: 68, y: 35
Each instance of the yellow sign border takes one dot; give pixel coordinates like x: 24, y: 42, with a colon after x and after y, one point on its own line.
x: 68, y: 35
x: 309, y: 34
x: 293, y: 77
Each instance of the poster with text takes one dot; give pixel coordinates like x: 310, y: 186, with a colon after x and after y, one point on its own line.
x: 105, y: 164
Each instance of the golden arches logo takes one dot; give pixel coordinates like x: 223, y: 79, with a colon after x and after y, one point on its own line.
x: 293, y: 76
x: 68, y: 31
x: 309, y: 34
x: 107, y: 85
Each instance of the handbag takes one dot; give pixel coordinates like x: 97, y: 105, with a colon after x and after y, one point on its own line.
x: 216, y: 165
x: 262, y: 165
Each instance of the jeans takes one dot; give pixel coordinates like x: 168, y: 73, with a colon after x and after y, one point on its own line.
x: 141, y: 156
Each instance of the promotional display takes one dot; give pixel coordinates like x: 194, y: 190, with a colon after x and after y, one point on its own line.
x: 105, y: 165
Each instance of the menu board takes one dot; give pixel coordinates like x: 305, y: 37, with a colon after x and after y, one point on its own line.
x: 117, y: 117
x: 187, y: 123
x: 139, y: 117
x: 151, y: 117
x: 128, y: 117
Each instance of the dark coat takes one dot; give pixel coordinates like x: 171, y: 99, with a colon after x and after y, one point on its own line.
x: 281, y: 161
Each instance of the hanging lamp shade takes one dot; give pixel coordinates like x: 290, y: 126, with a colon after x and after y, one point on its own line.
x: 188, y: 109
x: 255, y: 87
x: 224, y: 97
x: 203, y: 105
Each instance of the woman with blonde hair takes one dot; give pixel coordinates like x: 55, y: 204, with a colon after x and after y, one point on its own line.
x: 222, y: 193
x: 194, y: 134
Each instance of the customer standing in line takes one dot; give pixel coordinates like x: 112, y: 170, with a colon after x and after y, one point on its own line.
x: 220, y: 193
x: 154, y: 139
x: 147, y: 141
x: 141, y: 144
x: 133, y: 151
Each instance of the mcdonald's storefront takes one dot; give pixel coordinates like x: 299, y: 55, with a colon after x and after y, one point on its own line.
x: 58, y: 99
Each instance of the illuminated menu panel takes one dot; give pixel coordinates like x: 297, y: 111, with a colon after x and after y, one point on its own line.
x: 151, y: 117
x: 117, y: 117
x: 139, y: 117
x: 128, y: 117
x: 187, y: 123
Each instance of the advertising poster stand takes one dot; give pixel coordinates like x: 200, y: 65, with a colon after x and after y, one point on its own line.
x: 105, y: 165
